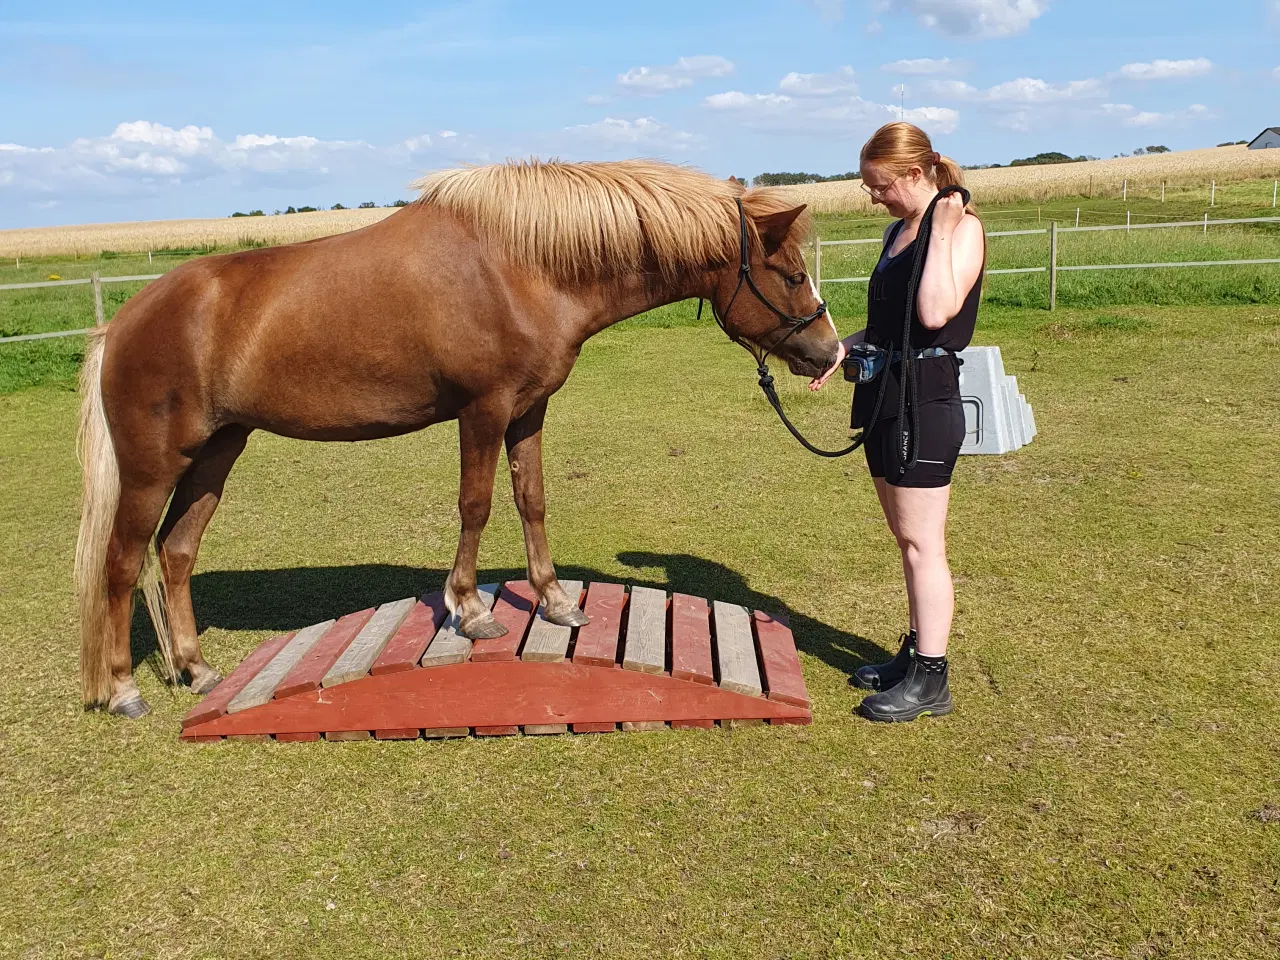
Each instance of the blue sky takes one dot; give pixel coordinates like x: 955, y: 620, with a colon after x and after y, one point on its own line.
x: 147, y: 110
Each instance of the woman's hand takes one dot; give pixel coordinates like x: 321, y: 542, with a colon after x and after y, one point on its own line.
x: 948, y: 214
x: 817, y: 383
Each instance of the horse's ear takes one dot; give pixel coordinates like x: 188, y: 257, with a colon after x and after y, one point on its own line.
x: 775, y: 227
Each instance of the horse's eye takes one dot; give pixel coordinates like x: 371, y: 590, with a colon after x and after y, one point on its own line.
x: 795, y: 280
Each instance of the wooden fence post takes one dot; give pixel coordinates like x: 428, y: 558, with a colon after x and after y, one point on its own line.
x: 1053, y: 264
x: 1213, y: 189
x: 817, y: 264
x: 1274, y: 185
x: 99, y: 317
x: 1162, y: 183
x: 1124, y: 194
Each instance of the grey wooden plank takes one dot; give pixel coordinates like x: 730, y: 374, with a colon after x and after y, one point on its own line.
x: 646, y: 647
x: 548, y: 641
x: 448, y: 645
x: 369, y: 642
x: 736, y: 649
x: 260, y: 689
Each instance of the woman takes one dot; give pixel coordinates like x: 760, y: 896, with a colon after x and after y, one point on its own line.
x: 901, y: 172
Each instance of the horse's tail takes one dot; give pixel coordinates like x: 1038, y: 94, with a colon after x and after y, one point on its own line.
x: 99, y: 500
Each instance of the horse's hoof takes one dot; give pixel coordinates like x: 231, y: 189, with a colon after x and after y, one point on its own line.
x: 132, y: 706
x: 205, y: 683
x: 569, y: 617
x: 483, y: 627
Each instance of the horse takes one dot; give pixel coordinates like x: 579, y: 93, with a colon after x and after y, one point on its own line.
x: 470, y: 303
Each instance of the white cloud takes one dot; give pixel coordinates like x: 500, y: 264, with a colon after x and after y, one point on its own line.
x: 971, y: 18
x: 1166, y: 69
x: 141, y: 158
x: 645, y: 131
x: 922, y: 66
x: 1150, y: 118
x: 954, y: 89
x: 819, y: 84
x: 1275, y: 74
x: 1021, y: 90
x: 1030, y: 90
x: 737, y: 100
x: 682, y: 73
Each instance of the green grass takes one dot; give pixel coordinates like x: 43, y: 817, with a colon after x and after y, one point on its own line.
x: 1100, y: 791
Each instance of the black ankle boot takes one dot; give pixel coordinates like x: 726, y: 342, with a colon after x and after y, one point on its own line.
x: 882, y: 676
x: 922, y: 692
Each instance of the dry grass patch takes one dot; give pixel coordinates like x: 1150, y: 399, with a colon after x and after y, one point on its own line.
x: 93, y: 238
x: 1099, y: 178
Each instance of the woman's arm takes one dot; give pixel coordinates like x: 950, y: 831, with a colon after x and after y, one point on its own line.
x: 956, y: 250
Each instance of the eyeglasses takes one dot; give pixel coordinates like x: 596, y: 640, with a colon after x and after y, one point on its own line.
x: 878, y: 192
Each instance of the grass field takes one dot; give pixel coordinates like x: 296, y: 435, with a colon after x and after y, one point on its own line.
x: 1108, y: 786
x: 24, y: 365
x: 1242, y: 176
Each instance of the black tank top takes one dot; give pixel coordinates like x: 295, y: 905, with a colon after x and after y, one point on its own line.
x: 886, y: 306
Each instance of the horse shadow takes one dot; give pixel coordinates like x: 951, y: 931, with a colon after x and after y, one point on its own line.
x: 287, y: 599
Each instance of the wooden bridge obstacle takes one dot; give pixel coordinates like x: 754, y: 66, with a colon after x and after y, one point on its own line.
x: 400, y: 671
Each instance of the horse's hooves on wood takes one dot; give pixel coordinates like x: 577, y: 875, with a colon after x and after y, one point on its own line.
x: 205, y: 682
x: 570, y: 617
x: 482, y: 628
x: 131, y: 706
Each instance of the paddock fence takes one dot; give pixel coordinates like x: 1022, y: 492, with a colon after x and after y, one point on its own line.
x: 1053, y: 268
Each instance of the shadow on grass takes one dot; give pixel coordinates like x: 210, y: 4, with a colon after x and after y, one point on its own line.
x: 287, y: 599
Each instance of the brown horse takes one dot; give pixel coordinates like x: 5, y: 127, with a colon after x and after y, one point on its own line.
x: 472, y: 303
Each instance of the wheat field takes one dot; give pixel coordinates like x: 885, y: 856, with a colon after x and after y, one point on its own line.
x: 1096, y: 178
x: 91, y: 239
x: 1099, y: 178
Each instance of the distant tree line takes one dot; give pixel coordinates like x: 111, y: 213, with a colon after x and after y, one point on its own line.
x: 789, y: 179
x: 367, y: 205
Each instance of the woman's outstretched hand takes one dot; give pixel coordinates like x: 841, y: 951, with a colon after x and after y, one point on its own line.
x: 817, y: 383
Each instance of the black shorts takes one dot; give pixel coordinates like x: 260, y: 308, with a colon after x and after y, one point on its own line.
x: 941, y: 435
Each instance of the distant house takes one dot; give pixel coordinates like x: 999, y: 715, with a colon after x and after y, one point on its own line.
x: 1269, y: 137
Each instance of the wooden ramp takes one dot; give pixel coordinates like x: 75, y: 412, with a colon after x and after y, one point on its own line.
x: 647, y: 659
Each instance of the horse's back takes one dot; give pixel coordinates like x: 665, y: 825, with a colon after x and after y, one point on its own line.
x: 367, y: 333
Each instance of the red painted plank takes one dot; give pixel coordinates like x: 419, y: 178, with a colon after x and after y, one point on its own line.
x: 597, y: 644
x: 783, y: 679
x: 498, y: 694
x: 306, y: 736
x: 324, y: 653
x: 405, y: 649
x: 513, y: 609
x: 508, y: 730
x: 691, y: 639
x: 215, y: 704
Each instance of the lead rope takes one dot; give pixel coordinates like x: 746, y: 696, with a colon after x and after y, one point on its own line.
x: 909, y: 432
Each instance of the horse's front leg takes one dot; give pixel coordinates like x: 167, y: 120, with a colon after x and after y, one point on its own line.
x: 524, y: 454
x: 480, y: 440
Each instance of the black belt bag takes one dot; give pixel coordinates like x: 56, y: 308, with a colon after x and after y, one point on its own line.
x: 864, y: 361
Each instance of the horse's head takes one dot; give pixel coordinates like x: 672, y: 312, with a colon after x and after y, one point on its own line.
x: 766, y: 296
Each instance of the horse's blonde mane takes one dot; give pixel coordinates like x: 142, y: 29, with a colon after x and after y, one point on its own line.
x: 575, y: 222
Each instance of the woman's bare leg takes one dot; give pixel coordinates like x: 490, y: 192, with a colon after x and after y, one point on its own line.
x: 921, y: 523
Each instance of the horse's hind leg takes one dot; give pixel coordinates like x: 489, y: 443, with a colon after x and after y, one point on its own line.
x: 524, y: 454
x: 141, y: 502
x: 194, y: 501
